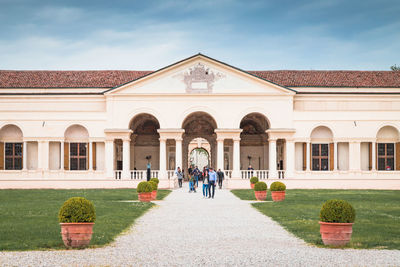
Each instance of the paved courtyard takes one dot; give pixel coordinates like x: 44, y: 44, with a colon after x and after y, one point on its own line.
x: 186, y: 230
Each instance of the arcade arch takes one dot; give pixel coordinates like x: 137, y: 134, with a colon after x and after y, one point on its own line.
x: 199, y: 125
x: 144, y: 144
x: 254, y: 142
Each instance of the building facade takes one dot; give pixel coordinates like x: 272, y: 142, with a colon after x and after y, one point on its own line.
x: 314, y: 129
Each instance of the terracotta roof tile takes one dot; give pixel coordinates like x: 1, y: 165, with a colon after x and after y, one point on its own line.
x: 67, y: 79
x: 112, y: 78
x: 341, y: 78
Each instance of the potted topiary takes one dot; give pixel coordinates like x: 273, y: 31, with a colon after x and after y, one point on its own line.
x: 155, y: 180
x: 260, y: 190
x: 76, y: 217
x: 154, y: 186
x: 144, y: 190
x: 336, y: 225
x: 278, y: 191
x: 253, y: 181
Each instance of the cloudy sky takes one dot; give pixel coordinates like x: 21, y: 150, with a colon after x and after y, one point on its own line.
x: 147, y: 35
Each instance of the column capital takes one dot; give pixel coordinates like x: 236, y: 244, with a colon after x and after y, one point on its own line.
x: 162, y: 139
x: 228, y: 133
x: 171, y: 133
x: 178, y: 139
x: 272, y: 139
x: 236, y: 139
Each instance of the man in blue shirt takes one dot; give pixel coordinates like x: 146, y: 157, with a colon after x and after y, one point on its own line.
x: 213, y: 179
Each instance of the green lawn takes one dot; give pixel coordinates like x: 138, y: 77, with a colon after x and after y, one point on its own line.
x: 377, y: 222
x: 28, y: 218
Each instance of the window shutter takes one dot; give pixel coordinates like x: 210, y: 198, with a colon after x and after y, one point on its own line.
x: 331, y: 156
x: 87, y: 156
x: 376, y: 156
x: 304, y: 156
x: 370, y: 157
x: 310, y: 157
x: 397, y: 156
x: 1, y: 156
x: 94, y: 155
x: 66, y: 156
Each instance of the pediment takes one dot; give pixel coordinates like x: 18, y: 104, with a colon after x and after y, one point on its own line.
x: 200, y: 75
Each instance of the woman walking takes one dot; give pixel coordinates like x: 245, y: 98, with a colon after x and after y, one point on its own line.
x: 205, y: 184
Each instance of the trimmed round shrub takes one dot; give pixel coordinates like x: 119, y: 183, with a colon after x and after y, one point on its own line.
x: 337, y: 211
x: 155, y: 180
x: 277, y: 186
x: 253, y: 180
x: 260, y: 186
x: 77, y: 210
x: 153, y: 184
x: 144, y: 187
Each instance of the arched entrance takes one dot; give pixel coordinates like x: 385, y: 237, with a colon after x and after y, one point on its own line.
x: 199, y: 153
x: 199, y: 125
x: 254, y: 142
x: 145, y: 143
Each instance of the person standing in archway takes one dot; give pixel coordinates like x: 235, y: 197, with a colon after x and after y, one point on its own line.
x: 213, y: 180
x: 220, y: 175
x: 179, y: 174
x: 196, y: 173
x: 148, y: 171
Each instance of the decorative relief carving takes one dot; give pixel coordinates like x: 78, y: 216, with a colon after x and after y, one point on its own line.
x: 200, y: 79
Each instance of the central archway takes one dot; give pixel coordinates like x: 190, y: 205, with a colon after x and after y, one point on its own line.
x: 199, y: 125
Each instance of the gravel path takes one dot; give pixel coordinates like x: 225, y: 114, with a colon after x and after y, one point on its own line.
x: 186, y: 230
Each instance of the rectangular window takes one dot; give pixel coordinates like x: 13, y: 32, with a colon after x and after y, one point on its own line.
x: 386, y: 156
x: 13, y: 156
x: 78, y: 156
x: 320, y: 157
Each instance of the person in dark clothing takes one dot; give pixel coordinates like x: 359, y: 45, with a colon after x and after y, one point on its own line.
x: 148, y: 171
x: 220, y: 176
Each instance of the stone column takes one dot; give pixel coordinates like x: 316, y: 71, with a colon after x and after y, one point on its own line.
x: 163, y: 158
x: 109, y: 150
x: 308, y: 156
x: 178, y: 153
x: 24, y: 156
x: 357, y: 147
x: 290, y: 158
x: 236, y: 158
x: 335, y: 156
x: 373, y: 156
x: 43, y: 155
x: 62, y: 156
x: 220, y: 153
x: 40, y: 155
x: 126, y: 158
x: 90, y: 156
x: 272, y: 159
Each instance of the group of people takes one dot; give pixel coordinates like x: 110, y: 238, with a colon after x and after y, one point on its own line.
x: 209, y: 176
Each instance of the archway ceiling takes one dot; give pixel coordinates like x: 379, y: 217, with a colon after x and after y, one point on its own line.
x: 199, y: 124
x: 145, y: 124
x: 254, y: 124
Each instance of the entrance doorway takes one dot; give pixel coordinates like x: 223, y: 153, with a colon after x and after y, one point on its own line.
x: 199, y: 134
x: 199, y: 153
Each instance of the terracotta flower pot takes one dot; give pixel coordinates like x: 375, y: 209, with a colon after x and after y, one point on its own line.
x: 278, y: 195
x: 76, y: 235
x: 261, y: 195
x: 145, y: 197
x: 336, y: 234
x: 252, y: 185
x: 154, y: 195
